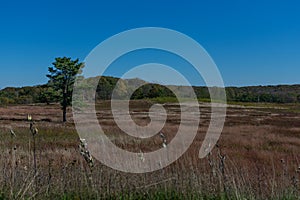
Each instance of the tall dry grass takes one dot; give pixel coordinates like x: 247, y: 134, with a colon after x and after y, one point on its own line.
x: 257, y: 157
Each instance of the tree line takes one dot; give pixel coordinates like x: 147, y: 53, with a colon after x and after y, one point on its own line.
x: 48, y: 94
x: 64, y: 71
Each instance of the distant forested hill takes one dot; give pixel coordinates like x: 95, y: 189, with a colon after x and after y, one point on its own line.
x: 46, y: 94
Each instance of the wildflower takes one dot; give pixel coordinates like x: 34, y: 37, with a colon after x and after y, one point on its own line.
x: 29, y: 118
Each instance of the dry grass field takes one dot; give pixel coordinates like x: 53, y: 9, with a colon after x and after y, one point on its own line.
x: 257, y: 156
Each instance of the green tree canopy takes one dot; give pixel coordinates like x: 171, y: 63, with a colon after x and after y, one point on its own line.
x: 62, y: 77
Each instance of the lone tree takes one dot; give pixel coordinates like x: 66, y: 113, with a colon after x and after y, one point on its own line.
x: 62, y: 77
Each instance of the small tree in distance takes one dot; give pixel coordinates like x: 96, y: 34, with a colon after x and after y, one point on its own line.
x: 62, y: 77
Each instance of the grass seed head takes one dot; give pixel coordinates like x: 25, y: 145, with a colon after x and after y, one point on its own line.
x: 35, y: 131
x: 12, y: 133
x: 141, y: 156
x: 85, y: 152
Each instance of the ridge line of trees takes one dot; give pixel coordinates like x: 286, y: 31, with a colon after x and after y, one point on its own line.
x: 48, y: 94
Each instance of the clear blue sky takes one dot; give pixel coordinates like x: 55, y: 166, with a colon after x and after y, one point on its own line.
x: 252, y: 42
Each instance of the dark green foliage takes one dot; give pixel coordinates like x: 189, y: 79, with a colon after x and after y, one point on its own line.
x: 52, y: 92
x: 2, y: 196
x: 152, y: 91
x: 271, y: 94
x: 49, y: 95
x: 105, y: 87
x: 23, y: 95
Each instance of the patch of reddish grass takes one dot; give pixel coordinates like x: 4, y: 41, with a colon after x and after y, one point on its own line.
x: 261, y: 149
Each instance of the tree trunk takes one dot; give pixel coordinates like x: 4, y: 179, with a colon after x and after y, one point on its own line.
x: 64, y: 113
x: 64, y: 105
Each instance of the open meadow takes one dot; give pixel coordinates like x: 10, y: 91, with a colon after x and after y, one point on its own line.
x: 257, y: 156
